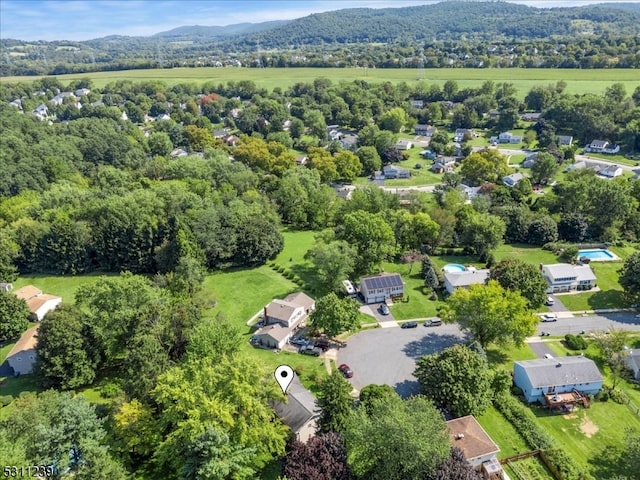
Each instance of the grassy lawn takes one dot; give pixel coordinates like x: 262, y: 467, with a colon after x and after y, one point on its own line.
x: 578, y: 81
x: 418, y: 304
x: 62, y: 286
x: 526, y: 253
x: 503, y: 433
x: 614, y: 159
x: 587, y: 433
x: 503, y: 356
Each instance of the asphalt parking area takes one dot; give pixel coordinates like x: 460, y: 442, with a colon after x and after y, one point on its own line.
x: 388, y: 355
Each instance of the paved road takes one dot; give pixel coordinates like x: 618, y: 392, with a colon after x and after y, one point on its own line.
x: 591, y: 323
x: 388, y: 355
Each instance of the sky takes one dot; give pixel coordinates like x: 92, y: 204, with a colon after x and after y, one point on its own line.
x: 88, y: 19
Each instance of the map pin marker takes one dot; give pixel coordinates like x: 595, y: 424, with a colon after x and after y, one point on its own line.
x: 284, y: 377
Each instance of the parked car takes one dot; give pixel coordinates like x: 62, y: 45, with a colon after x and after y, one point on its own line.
x: 549, y: 317
x: 550, y: 301
x: 384, y: 310
x: 435, y: 322
x: 322, y: 343
x: 309, y: 350
x: 409, y: 325
x: 346, y: 370
x: 545, y: 334
x: 299, y: 341
x: 548, y: 355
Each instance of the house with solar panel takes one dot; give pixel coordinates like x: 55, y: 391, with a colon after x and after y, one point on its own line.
x: 382, y: 287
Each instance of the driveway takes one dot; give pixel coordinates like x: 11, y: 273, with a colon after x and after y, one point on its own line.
x: 372, y: 309
x: 557, y: 306
x: 388, y: 355
x: 540, y: 349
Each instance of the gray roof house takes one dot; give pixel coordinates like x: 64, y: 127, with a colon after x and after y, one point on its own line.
x: 530, y: 160
x: 300, y: 411
x: 455, y: 280
x: 610, y: 171
x: 349, y: 142
x: 403, y: 144
x: 633, y: 362
x: 508, y: 137
x: 556, y: 375
x: 513, y: 179
x: 392, y: 171
x: 425, y: 130
x: 565, y: 140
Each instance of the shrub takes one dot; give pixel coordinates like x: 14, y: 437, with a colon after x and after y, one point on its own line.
x: 570, y: 253
x: 619, y: 396
x: 565, y: 465
x: 5, y: 400
x: 575, y: 342
x: 110, y: 390
x: 602, y: 395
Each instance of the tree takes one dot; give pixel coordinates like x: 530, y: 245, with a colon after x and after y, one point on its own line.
x: 518, y: 276
x: 322, y: 161
x: 136, y: 430
x: 630, y: 277
x: 431, y: 279
x: 485, y: 166
x: 372, y: 393
x: 334, y: 315
x: 544, y: 168
x: 457, y: 379
x: 323, y: 457
x: 492, y: 314
x: 573, y: 227
x: 542, y: 230
x: 335, y: 402
x: 483, y: 232
x: 68, y: 353
x: 613, y: 350
x: 372, y: 236
x: 211, y: 456
x: 14, y: 316
x: 145, y: 360
x: 398, y: 439
x: 160, y: 144
x: 393, y: 120
x: 348, y: 165
x: 370, y: 159
x: 334, y: 261
x: 455, y: 467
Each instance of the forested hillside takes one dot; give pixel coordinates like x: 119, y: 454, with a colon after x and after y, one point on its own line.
x: 447, y: 34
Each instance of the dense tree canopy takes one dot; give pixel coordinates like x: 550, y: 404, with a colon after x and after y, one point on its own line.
x: 14, y: 316
x: 525, y: 278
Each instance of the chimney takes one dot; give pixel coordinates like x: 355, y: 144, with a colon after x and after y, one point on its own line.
x: 266, y: 320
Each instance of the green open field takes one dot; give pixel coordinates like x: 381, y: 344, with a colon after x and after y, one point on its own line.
x: 578, y: 81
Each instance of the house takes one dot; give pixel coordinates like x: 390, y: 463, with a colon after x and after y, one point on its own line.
x: 231, y: 140
x: 633, y: 362
x: 417, y: 104
x: 513, y: 179
x: 300, y: 411
x: 349, y: 142
x: 425, y: 130
x: 471, y: 276
x: 597, y: 146
x: 273, y: 336
x: 530, y: 160
x: 302, y: 160
x: 443, y: 164
x: 637, y: 174
x: 392, y: 171
x: 564, y: 277
x: 428, y: 154
x: 459, y: 134
x: 59, y: 98
x: 282, y: 317
x: 17, y: 103
x: 41, y: 112
x: 378, y: 175
x: 82, y: 91
x: 555, y: 376
x: 380, y: 288
x: 403, y: 144
x: 220, y: 132
x: 610, y: 171
x: 178, y: 152
x: 163, y: 116
x: 470, y: 192
x: 22, y: 356
x: 478, y: 447
x: 531, y: 116
x: 493, y: 113
x: 565, y: 140
x: 508, y: 137
x: 335, y: 134
x: 39, y: 304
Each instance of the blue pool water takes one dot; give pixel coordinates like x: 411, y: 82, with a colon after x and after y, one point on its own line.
x: 453, y: 267
x: 596, y: 254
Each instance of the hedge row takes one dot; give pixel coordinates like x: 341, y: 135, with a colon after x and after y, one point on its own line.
x: 536, y: 437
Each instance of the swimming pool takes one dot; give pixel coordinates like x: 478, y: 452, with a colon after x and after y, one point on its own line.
x: 453, y: 267
x: 597, y: 255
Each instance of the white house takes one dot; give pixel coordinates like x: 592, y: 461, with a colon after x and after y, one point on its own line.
x: 417, y: 103
x: 403, y: 144
x: 39, y: 304
x: 531, y: 116
x: 392, y: 171
x: 349, y: 142
x: 273, y: 336
x: 563, y: 277
x: 282, y: 317
x: 508, y: 137
x: 380, y: 288
x: 300, y: 411
x: 602, y: 146
x: 22, y: 356
x: 610, y: 171
x: 513, y: 179
x: 455, y: 280
x: 556, y: 375
x: 82, y: 91
x: 478, y: 447
x: 459, y: 134
x: 425, y: 130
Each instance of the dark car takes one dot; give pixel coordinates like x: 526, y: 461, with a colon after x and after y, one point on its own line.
x: 346, y: 370
x: 409, y: 325
x: 299, y: 341
x: 322, y: 343
x: 384, y: 310
x: 309, y: 350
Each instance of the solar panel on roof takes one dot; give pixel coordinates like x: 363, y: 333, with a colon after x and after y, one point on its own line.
x: 385, y: 281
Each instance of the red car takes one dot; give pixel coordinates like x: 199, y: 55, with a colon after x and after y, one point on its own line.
x: 346, y: 370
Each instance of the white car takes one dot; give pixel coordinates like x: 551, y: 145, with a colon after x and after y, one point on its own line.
x: 549, y: 317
